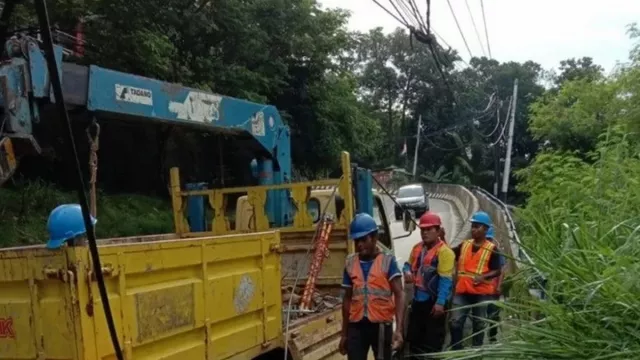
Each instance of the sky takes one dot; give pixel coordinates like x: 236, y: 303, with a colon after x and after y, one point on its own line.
x: 545, y: 31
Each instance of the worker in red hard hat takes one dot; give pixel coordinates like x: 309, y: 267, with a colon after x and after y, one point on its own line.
x: 430, y: 268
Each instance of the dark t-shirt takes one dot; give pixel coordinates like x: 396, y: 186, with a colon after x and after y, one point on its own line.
x: 494, y: 259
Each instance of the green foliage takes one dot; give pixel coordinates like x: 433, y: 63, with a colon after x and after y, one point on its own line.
x: 601, y: 190
x: 24, y: 211
x: 573, y: 69
x: 573, y: 117
x: 580, y: 225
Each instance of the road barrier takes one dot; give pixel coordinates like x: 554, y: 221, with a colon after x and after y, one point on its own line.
x: 465, y: 202
x: 469, y: 200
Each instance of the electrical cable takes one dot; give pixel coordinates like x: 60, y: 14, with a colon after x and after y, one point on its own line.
x: 506, y: 121
x: 486, y: 31
x: 459, y: 28
x: 405, y: 13
x: 56, y: 84
x: 428, y: 16
x: 423, y: 34
x: 492, y: 131
x: 403, y: 22
x: 475, y: 28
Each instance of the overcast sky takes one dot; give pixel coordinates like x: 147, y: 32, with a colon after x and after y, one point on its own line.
x: 545, y: 31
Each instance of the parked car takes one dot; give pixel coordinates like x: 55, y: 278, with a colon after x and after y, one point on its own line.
x: 411, y: 197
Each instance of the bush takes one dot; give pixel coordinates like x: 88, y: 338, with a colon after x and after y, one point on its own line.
x: 582, y: 225
x: 24, y: 211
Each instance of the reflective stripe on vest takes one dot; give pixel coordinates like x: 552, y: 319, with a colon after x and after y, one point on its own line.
x: 471, y: 265
x: 372, y: 298
x: 423, y: 261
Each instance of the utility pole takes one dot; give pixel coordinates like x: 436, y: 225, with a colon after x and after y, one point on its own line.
x: 507, y: 161
x: 415, y: 153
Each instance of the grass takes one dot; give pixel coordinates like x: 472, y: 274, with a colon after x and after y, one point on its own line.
x: 581, y: 226
x: 24, y: 210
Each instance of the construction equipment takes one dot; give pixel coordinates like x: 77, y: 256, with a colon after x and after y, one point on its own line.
x: 209, y: 290
x: 107, y: 94
x: 192, y: 295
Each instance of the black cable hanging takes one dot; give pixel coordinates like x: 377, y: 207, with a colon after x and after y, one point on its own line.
x: 43, y: 19
x: 45, y: 30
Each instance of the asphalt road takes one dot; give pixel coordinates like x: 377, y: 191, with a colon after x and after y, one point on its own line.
x: 403, y: 246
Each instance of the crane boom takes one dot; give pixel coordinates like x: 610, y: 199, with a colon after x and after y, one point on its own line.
x: 24, y: 83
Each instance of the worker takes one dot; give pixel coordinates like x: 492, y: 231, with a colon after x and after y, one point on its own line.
x: 430, y: 268
x: 493, y: 310
x: 373, y: 295
x: 66, y: 225
x: 478, y: 263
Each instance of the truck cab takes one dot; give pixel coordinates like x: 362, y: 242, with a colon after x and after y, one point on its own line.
x: 319, y: 199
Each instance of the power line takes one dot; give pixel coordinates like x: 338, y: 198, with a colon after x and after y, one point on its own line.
x: 403, y: 21
x: 459, y: 28
x: 486, y: 32
x: 411, y: 19
x: 475, y: 28
x: 506, y: 121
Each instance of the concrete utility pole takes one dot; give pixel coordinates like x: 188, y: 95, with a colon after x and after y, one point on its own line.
x: 507, y: 162
x: 415, y: 153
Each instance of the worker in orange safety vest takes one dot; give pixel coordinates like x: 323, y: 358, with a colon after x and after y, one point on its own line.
x: 373, y: 296
x: 478, y: 264
x: 430, y: 268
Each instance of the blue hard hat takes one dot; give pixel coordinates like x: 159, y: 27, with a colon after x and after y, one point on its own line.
x: 490, y: 233
x: 481, y: 217
x: 65, y: 222
x: 362, y: 225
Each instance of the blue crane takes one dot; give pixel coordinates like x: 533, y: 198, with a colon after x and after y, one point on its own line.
x: 24, y: 84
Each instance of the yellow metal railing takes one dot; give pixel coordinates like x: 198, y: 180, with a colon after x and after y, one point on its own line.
x: 256, y: 198
x: 8, y: 161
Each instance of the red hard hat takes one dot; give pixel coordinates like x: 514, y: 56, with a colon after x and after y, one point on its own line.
x: 429, y: 219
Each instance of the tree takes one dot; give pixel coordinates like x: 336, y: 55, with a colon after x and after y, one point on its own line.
x: 286, y: 53
x: 583, y: 68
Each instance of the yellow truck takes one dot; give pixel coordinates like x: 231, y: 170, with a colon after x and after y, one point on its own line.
x: 212, y: 295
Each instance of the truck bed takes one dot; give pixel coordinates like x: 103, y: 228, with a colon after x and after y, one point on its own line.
x: 216, y: 297
x: 205, y: 298
x: 315, y: 336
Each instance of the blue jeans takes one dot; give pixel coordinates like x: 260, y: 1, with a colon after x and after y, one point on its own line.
x: 460, y: 314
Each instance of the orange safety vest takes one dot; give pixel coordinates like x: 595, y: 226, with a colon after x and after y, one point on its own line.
x: 372, y: 298
x: 471, y: 264
x: 427, y: 259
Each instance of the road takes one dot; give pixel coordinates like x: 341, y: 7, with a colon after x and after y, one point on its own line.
x: 403, y: 246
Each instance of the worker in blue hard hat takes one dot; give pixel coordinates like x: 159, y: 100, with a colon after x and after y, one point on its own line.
x: 373, y: 295
x: 493, y: 310
x: 65, y: 224
x: 478, y: 263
